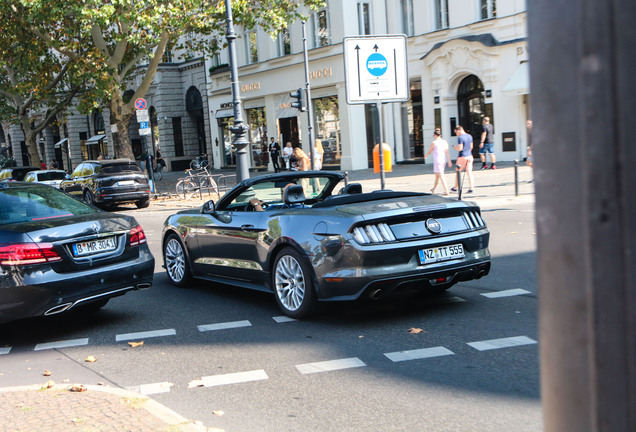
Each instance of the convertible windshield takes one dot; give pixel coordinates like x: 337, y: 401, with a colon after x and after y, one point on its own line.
x: 271, y: 192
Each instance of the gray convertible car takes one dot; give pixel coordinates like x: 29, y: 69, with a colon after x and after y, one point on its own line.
x: 308, y: 237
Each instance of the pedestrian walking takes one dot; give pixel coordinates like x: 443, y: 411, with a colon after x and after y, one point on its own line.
x: 274, y: 153
x: 465, y: 157
x: 318, y: 153
x: 487, y: 144
x: 439, y: 148
x: 530, y: 157
x: 287, y: 153
x: 161, y: 163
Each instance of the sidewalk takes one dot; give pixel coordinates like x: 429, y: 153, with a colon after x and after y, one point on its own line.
x: 491, y: 186
x: 104, y: 408
x: 93, y: 408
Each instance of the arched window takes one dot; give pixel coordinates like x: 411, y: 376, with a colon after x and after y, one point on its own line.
x: 194, y: 107
x: 471, y: 107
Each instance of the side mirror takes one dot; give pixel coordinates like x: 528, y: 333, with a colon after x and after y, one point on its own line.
x: 208, y: 207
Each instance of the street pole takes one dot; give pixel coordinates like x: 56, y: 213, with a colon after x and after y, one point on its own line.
x: 381, y: 146
x: 310, y: 110
x: 239, y: 130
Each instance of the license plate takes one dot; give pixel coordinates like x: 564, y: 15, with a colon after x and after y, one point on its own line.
x: 125, y: 182
x: 94, y: 246
x: 441, y: 253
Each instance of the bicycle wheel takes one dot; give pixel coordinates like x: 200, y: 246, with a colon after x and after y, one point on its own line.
x: 203, y: 163
x: 186, y: 188
x: 195, y: 165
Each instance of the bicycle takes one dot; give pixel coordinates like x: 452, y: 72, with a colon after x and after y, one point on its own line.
x: 199, y: 162
x: 196, y: 181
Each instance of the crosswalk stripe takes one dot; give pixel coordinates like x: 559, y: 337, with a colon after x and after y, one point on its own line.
x: 145, y: 335
x: 418, y: 354
x: 283, y: 319
x: 61, y: 344
x: 506, y: 293
x: 224, y: 326
x: 5, y: 350
x: 148, y: 389
x: 502, y: 343
x: 233, y: 378
x: 330, y: 365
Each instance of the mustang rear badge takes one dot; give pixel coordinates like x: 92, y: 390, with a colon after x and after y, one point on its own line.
x: 433, y: 226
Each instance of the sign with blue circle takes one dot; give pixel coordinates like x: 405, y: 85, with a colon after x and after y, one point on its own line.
x: 377, y: 64
x: 141, y: 104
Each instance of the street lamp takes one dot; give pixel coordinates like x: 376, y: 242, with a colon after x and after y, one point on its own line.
x: 239, y: 130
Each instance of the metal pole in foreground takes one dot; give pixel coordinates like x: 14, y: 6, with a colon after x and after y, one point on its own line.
x: 239, y: 130
x: 381, y: 146
x: 310, y: 110
x: 516, y: 177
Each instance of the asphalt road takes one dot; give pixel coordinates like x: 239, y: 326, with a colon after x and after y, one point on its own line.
x: 223, y: 356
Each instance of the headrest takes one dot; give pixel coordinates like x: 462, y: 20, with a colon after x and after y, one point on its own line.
x: 352, y: 188
x: 293, y: 194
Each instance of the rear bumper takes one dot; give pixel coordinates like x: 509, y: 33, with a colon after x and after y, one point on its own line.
x: 39, y: 290
x: 105, y: 198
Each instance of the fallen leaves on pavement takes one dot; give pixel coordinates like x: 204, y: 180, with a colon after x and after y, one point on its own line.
x: 49, y: 384
x: 46, y: 372
x: 135, y: 344
x: 78, y: 388
x: 90, y: 359
x: 414, y: 330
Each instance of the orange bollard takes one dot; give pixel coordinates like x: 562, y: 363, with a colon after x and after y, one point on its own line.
x: 386, y: 150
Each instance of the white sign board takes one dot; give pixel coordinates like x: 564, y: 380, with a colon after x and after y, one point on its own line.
x: 142, y: 115
x: 376, y: 69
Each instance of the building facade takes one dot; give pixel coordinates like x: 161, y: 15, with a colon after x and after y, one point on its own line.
x: 466, y: 59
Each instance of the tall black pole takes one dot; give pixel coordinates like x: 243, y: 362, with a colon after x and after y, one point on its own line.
x: 239, y: 130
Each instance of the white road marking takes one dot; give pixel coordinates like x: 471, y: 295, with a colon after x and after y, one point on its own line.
x: 502, y: 343
x: 506, y: 293
x: 145, y: 335
x: 283, y: 319
x: 5, y: 350
x: 234, y: 378
x: 223, y: 326
x: 61, y: 344
x: 418, y: 354
x: 331, y: 365
x: 148, y: 389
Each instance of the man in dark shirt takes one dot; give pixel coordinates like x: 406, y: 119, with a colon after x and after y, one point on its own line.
x: 487, y: 144
x: 274, y: 153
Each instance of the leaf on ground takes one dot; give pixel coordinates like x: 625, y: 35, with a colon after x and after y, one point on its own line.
x: 135, y: 344
x: 49, y: 384
x: 414, y: 330
x: 218, y: 413
x: 78, y: 388
x: 90, y: 359
x: 46, y: 372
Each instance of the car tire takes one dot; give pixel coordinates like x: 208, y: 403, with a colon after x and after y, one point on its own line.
x: 143, y: 203
x: 176, y: 261
x: 293, y: 284
x: 88, y: 197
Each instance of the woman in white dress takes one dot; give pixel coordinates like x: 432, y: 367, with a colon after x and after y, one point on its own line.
x: 318, y: 152
x: 439, y: 148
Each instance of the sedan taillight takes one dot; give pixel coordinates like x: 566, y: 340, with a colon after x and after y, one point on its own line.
x: 137, y: 236
x: 28, y: 253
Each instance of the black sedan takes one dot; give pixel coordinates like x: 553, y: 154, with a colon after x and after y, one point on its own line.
x: 58, y: 253
x: 308, y: 237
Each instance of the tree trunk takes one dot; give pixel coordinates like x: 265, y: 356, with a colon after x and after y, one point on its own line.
x: 120, y: 116
x: 29, y: 138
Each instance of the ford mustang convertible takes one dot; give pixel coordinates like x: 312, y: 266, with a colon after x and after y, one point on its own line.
x: 311, y: 237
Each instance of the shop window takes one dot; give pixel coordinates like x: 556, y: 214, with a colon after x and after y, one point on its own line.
x: 256, y: 119
x: 327, y: 122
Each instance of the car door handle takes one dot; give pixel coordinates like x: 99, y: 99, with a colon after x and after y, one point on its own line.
x: 247, y: 227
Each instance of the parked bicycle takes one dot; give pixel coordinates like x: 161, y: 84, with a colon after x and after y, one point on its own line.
x: 200, y: 181
x: 199, y: 162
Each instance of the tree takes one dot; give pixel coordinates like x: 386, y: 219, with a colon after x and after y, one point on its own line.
x: 36, y: 84
x: 128, y: 39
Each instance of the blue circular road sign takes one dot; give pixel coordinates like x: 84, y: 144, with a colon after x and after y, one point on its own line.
x: 377, y: 64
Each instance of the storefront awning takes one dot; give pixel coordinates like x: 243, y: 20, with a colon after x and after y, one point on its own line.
x: 60, y: 142
x: 95, y: 139
x: 519, y: 83
x: 224, y: 113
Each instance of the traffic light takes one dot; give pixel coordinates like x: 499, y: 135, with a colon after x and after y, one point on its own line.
x: 299, y: 103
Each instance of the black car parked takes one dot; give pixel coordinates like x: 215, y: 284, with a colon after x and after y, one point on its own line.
x: 59, y: 254
x: 16, y: 173
x: 108, y: 182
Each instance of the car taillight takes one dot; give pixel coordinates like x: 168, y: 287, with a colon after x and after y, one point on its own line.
x: 28, y: 253
x: 137, y: 236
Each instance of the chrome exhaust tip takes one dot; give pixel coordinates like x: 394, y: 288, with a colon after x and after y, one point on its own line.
x: 375, y: 294
x: 144, y: 285
x: 480, y: 274
x: 58, y: 309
